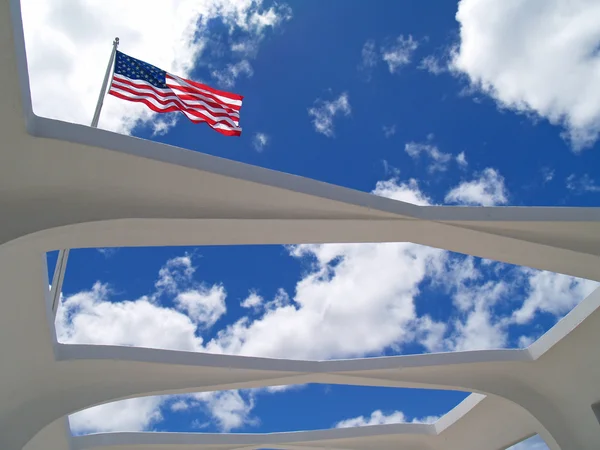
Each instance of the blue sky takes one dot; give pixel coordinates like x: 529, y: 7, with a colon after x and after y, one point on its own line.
x: 467, y: 103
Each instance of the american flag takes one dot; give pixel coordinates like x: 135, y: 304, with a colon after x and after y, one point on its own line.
x: 138, y: 81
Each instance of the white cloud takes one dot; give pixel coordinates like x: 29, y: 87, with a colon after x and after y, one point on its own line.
x: 582, y: 184
x: 552, y: 293
x: 253, y: 301
x: 478, y: 328
x: 176, y: 272
x: 324, y: 112
x: 227, y: 76
x: 433, y: 65
x: 229, y: 408
x: 537, y: 57
x: 135, y: 414
x: 405, y: 192
x: 390, y: 170
x: 107, y: 252
x: 203, y: 305
x: 260, y: 141
x: 89, y: 317
x: 439, y: 160
x: 352, y: 300
x: 487, y: 190
x: 68, y: 45
x: 389, y: 131
x: 376, y: 282
x: 399, y: 53
x: 461, y: 160
x: 379, y: 418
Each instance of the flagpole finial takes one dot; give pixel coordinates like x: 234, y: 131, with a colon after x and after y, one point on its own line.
x: 116, y: 43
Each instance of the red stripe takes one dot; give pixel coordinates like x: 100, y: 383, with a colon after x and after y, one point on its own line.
x: 166, y: 99
x: 173, y: 101
x: 209, y: 101
x: 229, y: 95
x: 174, y: 85
x: 153, y: 107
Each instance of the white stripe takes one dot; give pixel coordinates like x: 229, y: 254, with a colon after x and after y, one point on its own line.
x: 176, y: 81
x: 169, y: 94
x: 227, y: 120
x: 220, y: 126
x: 118, y: 77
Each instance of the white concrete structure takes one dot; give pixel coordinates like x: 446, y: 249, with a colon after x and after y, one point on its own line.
x: 68, y: 186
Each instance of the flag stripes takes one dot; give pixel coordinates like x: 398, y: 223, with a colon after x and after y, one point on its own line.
x: 137, y: 81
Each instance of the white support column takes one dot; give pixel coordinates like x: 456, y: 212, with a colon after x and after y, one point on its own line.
x: 63, y: 255
x: 58, y: 278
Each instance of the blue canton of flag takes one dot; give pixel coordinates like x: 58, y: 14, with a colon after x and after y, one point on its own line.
x: 139, y: 70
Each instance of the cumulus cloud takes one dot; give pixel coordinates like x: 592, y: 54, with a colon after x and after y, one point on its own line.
x: 399, y: 52
x: 135, y: 414
x: 68, y: 44
x: 439, y: 160
x: 260, y: 141
x: 487, y: 190
x: 552, y: 293
x: 323, y: 112
x: 230, y: 409
x: 90, y: 317
x: 376, y: 282
x: 379, y: 418
x: 537, y: 57
x: 203, y: 305
x: 253, y: 301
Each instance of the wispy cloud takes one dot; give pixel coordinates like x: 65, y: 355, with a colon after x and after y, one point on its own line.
x: 389, y: 170
x: 369, y: 58
x: 433, y: 65
x: 399, y: 53
x: 389, y: 130
x: 228, y: 76
x: 108, y: 252
x: 582, y: 184
x: 461, y: 160
x: 438, y: 160
x: 323, y: 113
x: 260, y: 141
x: 547, y: 174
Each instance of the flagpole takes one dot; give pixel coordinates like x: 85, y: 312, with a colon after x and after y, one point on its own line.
x: 63, y: 255
x: 104, y: 84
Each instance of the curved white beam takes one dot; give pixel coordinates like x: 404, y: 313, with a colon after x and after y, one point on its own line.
x: 73, y: 377
x: 499, y: 422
